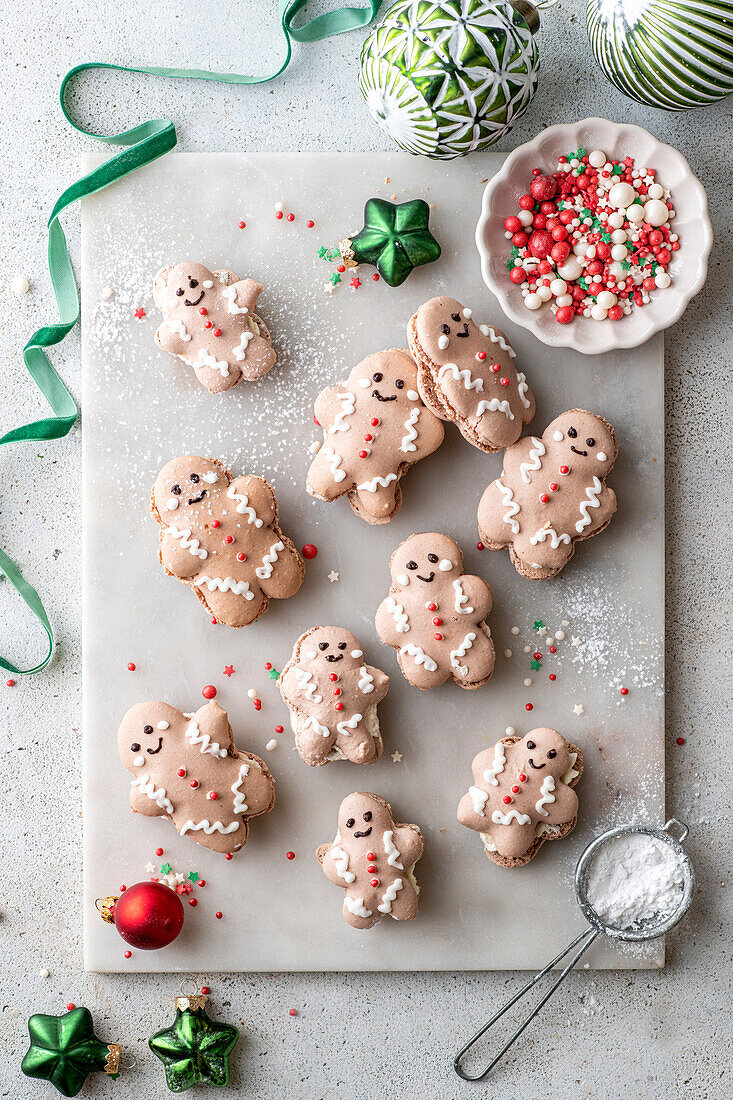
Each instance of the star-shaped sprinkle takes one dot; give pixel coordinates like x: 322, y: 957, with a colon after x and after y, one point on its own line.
x: 64, y: 1050
x: 322, y: 252
x: 193, y: 876
x: 165, y: 868
x: 536, y: 665
x: 355, y: 283
x: 184, y: 888
x: 578, y: 709
x: 537, y: 624
x: 228, y: 670
x: 333, y: 576
x: 150, y: 867
x: 396, y: 757
x: 542, y: 631
x: 195, y: 1049
x: 140, y: 313
x: 334, y: 278
x: 575, y: 641
x: 328, y: 288
x: 395, y: 239
x: 565, y: 622
x: 273, y: 674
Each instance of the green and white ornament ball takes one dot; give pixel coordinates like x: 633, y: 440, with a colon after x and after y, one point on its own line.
x: 671, y: 54
x: 447, y: 77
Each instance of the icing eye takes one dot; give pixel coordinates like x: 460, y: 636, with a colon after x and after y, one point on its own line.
x: 433, y: 558
x: 399, y: 383
x: 445, y: 329
x: 342, y: 645
x: 411, y: 565
x: 557, y: 436
x: 323, y: 645
x: 456, y: 316
x: 531, y: 745
x: 601, y: 456
x: 350, y: 823
x: 572, y: 433
x: 177, y: 490
x: 192, y: 282
x: 591, y: 441
x: 377, y: 377
x: 147, y: 729
x: 552, y: 754
x: 195, y: 478
x: 134, y: 747
x: 180, y: 292
x: 368, y: 815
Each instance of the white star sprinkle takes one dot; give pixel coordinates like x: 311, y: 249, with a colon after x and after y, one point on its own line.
x: 150, y: 868
x: 575, y: 641
x: 328, y: 288
x: 333, y: 576
x: 542, y: 630
x: 396, y: 757
x: 578, y: 709
x: 565, y: 622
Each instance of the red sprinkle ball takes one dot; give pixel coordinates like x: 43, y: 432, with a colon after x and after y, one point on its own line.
x: 10, y: 683
x: 310, y: 223
x: 209, y: 692
x: 228, y: 855
x: 242, y: 225
x: 292, y: 1012
x: 290, y: 855
x: 257, y: 704
x: 205, y: 990
x: 193, y: 902
x: 624, y: 691
x: 552, y: 676
x: 528, y: 706
x: 128, y: 954
x: 131, y: 667
x: 479, y: 546
x: 680, y: 740
x: 159, y: 851
x: 70, y: 1006
x: 278, y: 729
x: 593, y: 238
x: 218, y: 914
x: 291, y: 217
x: 309, y: 551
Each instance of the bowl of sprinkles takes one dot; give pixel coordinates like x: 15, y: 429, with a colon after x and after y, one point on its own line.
x: 594, y: 236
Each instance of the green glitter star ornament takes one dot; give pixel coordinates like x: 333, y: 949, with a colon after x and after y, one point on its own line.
x: 395, y: 239
x: 64, y: 1050
x: 195, y: 1049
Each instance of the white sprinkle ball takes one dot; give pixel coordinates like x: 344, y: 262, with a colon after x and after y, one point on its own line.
x: 655, y: 191
x: 44, y: 973
x: 528, y: 681
x: 19, y: 284
x: 635, y: 213
x: 278, y: 207
x: 515, y: 630
x: 272, y: 744
x: 528, y: 649
x: 251, y: 693
x: 560, y: 635
x: 507, y: 652
x: 597, y: 158
x: 510, y: 731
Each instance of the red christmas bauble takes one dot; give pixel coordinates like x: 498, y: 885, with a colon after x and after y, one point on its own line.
x: 149, y: 915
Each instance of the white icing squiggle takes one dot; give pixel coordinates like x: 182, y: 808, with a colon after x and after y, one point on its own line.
x: 555, y: 539
x: 408, y: 440
x: 546, y: 797
x: 495, y: 405
x: 462, y: 650
x: 334, y: 461
x: 230, y: 293
x: 313, y: 723
x: 497, y: 766
x: 156, y: 794
x: 511, y: 815
x: 305, y: 686
x: 348, y: 724
x: 356, y: 907
x: 391, y: 850
x: 591, y: 493
x: 226, y: 584
x: 464, y: 376
x: 240, y: 806
x: 187, y: 543
x: 461, y: 599
x: 522, y: 387
x: 399, y: 615
x: 479, y: 799
x: 534, y: 461
x: 178, y: 328
x: 366, y: 681
x: 206, y: 360
x: 243, y: 506
x: 348, y: 404
x: 194, y: 736
x: 507, y: 499
x: 341, y: 863
x: 208, y: 827
x: 240, y: 351
x: 490, y: 332
x: 371, y: 486
x: 265, y: 570
x: 421, y: 657
x: 389, y: 896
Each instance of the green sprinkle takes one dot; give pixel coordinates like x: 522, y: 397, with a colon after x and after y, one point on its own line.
x: 322, y: 252
x: 165, y: 868
x: 535, y: 665
x: 193, y: 876
x: 537, y: 624
x: 273, y: 674
x: 334, y: 278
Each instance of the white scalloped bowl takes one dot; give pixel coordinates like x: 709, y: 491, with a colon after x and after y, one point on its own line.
x: 691, y: 223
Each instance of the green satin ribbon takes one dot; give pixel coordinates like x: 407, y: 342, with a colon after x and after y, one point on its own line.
x: 144, y: 143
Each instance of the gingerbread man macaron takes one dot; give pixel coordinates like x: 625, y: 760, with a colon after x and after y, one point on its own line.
x: 522, y: 795
x: 375, y: 427
x: 373, y: 858
x: 435, y: 615
x: 551, y: 494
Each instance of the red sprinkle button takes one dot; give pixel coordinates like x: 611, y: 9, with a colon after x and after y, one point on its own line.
x: 370, y: 855
x: 507, y: 799
x: 241, y: 556
x: 522, y: 778
x: 374, y: 882
x: 229, y: 539
x: 209, y: 692
x: 309, y: 551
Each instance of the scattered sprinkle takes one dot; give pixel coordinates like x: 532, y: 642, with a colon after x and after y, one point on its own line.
x: 20, y: 285
x: 290, y: 855
x: 680, y: 740
x: 128, y: 954
x: 193, y: 902
x: 209, y: 692
x: 44, y: 973
x: 510, y: 731
x: 228, y: 670
x: 310, y: 223
x: 10, y: 683
x: 292, y: 1012
x: 242, y: 225
x: 205, y: 990
x: 140, y: 313
x: 527, y: 681
x: 333, y: 576
x: 251, y: 693
x: 624, y: 691
x: 507, y: 652
x: 515, y: 630
x: 273, y: 674
x: 272, y: 744
x: 396, y: 757
x: 131, y: 667
x: 578, y: 709
x: 528, y: 706
x: 218, y: 915
x: 309, y: 551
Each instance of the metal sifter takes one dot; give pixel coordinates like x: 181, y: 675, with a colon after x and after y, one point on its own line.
x: 595, y: 927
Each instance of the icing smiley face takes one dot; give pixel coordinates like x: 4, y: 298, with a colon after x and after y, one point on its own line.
x: 467, y: 374
x: 221, y: 537
x: 209, y: 322
x: 333, y: 695
x: 186, y: 767
x: 374, y: 428
x: 522, y: 795
x: 434, y: 616
x: 373, y: 858
x: 551, y: 494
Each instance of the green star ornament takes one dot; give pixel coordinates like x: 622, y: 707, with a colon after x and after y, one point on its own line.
x: 395, y: 239
x: 64, y: 1050
x: 195, y: 1049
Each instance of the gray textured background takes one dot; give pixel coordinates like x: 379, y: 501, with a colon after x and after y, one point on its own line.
x: 651, y: 1035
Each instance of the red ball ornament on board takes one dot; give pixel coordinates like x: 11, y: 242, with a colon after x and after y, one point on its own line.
x: 149, y: 915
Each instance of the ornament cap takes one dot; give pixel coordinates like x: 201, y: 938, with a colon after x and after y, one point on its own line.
x: 192, y: 1003
x: 347, y: 252
x: 112, y: 1062
x: 528, y: 12
x: 106, y: 908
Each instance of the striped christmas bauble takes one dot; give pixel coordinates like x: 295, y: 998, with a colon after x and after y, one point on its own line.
x: 446, y: 77
x: 672, y: 54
